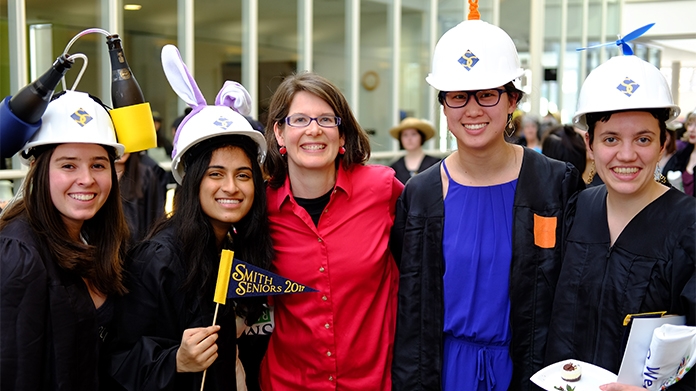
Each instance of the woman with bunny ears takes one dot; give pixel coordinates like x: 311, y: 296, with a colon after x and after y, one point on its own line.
x: 164, y: 337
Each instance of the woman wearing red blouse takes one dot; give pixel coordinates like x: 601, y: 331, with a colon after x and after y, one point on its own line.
x: 330, y: 217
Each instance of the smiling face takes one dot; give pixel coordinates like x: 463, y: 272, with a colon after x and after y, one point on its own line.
x: 80, y: 182
x: 626, y: 149
x: 312, y: 148
x: 227, y: 189
x: 479, y: 127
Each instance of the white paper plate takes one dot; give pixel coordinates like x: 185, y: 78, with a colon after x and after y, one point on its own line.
x: 592, y: 377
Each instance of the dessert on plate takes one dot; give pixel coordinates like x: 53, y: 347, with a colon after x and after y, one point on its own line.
x: 571, y: 372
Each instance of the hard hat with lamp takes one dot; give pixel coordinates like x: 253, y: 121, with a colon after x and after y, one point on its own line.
x: 73, y: 117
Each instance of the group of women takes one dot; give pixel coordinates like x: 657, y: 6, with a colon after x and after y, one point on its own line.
x: 483, y: 269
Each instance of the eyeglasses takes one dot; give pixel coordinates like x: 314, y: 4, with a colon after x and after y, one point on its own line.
x: 302, y: 121
x: 485, y: 98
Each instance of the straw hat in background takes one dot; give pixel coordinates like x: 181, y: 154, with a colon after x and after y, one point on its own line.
x: 424, y: 126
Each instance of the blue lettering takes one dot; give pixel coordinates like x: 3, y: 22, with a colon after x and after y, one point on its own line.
x: 651, y: 373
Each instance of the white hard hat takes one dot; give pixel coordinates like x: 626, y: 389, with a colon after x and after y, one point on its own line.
x: 209, y: 122
x: 73, y: 117
x: 623, y: 83
x: 474, y: 55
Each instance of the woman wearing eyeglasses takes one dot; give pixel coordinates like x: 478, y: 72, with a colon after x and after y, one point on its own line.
x: 477, y: 237
x: 330, y: 217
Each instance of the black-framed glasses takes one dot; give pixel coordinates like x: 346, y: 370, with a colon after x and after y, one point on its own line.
x: 484, y: 98
x: 302, y: 121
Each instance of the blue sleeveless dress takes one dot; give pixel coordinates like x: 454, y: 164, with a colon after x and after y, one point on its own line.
x: 477, y: 247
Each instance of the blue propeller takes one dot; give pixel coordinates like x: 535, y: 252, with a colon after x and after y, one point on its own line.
x: 623, y: 42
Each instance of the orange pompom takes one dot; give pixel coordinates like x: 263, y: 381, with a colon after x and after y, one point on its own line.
x: 473, y: 10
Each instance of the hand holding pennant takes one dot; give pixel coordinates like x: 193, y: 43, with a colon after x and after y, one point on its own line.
x: 221, y: 286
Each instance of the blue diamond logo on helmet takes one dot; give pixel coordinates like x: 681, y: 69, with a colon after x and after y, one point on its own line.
x: 628, y: 87
x: 223, y: 123
x: 81, y: 117
x: 468, y: 60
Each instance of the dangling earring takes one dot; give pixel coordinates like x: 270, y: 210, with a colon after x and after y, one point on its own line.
x: 283, y: 150
x: 509, y: 127
x: 342, y: 150
x: 591, y: 174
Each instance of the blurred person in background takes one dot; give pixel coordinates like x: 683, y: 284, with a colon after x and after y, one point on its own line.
x: 531, y: 132
x: 143, y: 191
x: 412, y: 133
x: 563, y: 143
x: 670, y: 147
x: 162, y: 139
x: 684, y: 160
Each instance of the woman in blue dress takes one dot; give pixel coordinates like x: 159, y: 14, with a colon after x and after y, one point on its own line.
x: 478, y: 259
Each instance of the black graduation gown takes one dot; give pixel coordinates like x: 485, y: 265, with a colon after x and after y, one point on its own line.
x: 651, y: 267
x: 151, y: 318
x: 543, y: 189
x: 142, y: 212
x: 49, y: 332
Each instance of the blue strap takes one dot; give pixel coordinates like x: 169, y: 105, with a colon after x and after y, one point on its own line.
x: 446, y: 170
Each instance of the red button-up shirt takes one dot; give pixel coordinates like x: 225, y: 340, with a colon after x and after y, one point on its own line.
x: 341, y: 337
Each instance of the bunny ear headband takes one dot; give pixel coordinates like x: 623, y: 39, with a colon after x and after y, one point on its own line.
x: 232, y: 94
x: 226, y: 117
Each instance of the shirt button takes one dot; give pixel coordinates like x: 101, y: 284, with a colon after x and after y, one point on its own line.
x: 319, y: 240
x: 328, y: 354
x: 327, y: 326
x: 330, y: 378
x: 324, y: 298
x: 321, y: 269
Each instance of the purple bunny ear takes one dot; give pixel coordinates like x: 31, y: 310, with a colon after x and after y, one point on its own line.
x: 234, y: 95
x: 180, y: 78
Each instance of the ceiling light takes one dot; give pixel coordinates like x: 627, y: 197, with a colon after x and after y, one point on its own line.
x: 132, y: 7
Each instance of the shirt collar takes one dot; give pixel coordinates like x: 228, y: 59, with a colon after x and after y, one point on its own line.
x: 343, y: 183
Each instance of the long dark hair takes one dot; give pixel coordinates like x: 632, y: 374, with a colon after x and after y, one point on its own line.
x: 252, y: 242
x: 100, y: 261
x: 357, y: 142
